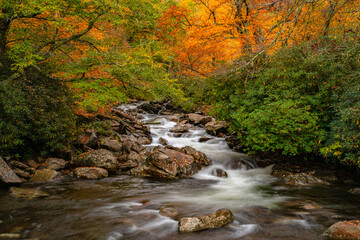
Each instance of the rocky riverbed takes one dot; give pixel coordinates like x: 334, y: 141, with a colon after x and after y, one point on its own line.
x: 149, y: 166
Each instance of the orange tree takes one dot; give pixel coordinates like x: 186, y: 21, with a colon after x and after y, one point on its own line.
x: 57, y: 56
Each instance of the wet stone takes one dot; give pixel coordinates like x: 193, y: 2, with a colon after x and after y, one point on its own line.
x: 27, y: 193
x: 346, y: 230
x: 169, y: 212
x: 355, y: 191
x: 55, y: 163
x: 217, y: 219
x: 205, y: 139
x: 6, y: 174
x: 9, y: 235
x: 220, y: 173
x: 45, y: 175
x: 163, y: 141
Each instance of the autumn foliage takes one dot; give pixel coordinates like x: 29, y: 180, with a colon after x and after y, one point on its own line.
x: 260, y: 64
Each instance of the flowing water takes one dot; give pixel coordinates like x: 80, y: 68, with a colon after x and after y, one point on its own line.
x: 126, y: 207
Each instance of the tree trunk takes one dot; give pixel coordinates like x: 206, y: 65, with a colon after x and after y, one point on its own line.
x: 4, y: 60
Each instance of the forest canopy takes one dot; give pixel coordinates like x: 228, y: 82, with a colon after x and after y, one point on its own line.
x: 284, y: 73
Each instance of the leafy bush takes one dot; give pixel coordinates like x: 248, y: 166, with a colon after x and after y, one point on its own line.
x: 344, y: 139
x: 302, y: 99
x: 36, y: 114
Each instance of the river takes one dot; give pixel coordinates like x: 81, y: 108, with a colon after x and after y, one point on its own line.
x: 127, y: 207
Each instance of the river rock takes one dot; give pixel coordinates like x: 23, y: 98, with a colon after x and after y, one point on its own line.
x: 33, y: 164
x: 355, y: 191
x: 101, y: 158
x: 177, y: 135
x: 205, y: 139
x: 110, y: 144
x: 217, y: 219
x: 197, y: 119
x: 91, y: 172
x: 346, y: 230
x: 55, y: 163
x: 88, y: 138
x: 17, y: 164
x: 180, y: 128
x: 45, y: 175
x: 297, y: 179
x: 169, y: 212
x: 27, y: 193
x: 21, y: 173
x: 151, y: 107
x: 163, y: 141
x: 133, y: 146
x: 144, y: 141
x: 10, y: 235
x: 234, y: 142
x: 6, y: 174
x: 244, y: 163
x: 215, y: 128
x: 174, y: 163
x: 198, y: 156
x: 219, y: 173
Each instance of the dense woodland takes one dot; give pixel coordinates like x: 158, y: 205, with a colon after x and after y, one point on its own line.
x: 284, y: 73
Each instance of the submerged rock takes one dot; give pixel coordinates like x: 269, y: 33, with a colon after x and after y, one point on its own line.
x: 217, y: 219
x: 10, y: 235
x: 27, y: 193
x: 346, y: 230
x: 91, y: 172
x: 355, y: 191
x: 169, y: 212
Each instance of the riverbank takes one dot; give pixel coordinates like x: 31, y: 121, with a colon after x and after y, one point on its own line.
x: 263, y: 207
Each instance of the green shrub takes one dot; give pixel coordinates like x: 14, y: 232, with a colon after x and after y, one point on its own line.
x: 36, y: 114
x: 300, y: 100
x: 344, y: 139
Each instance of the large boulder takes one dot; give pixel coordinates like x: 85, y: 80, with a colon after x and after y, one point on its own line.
x: 173, y: 163
x: 151, y: 107
x: 91, y: 172
x: 215, y: 128
x: 347, y: 230
x: 27, y: 193
x: 129, y: 161
x: 45, y: 175
x: 55, y: 163
x: 6, y: 174
x: 297, y: 179
x: 197, y: 119
x: 217, y: 219
x: 180, y: 128
x: 88, y: 138
x: 110, y: 144
x: 101, y: 158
